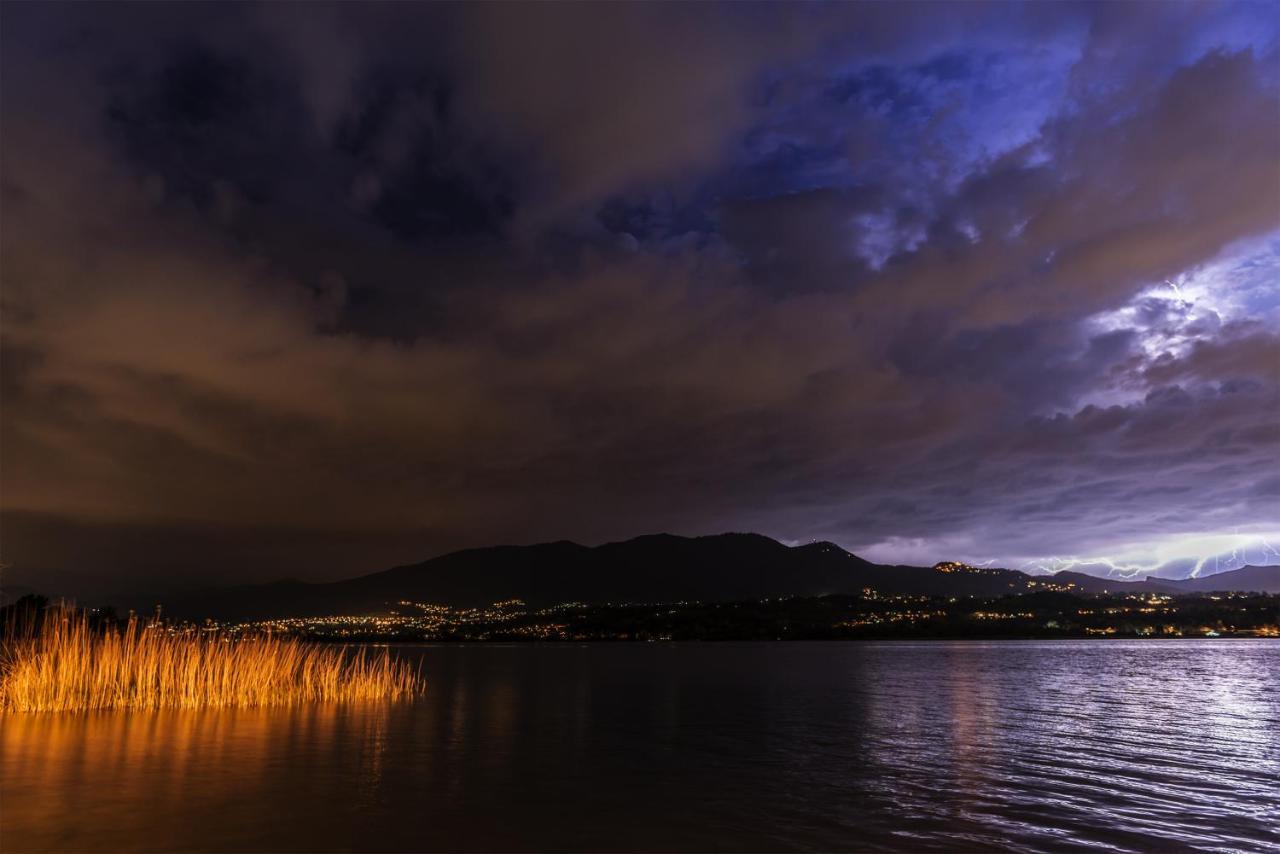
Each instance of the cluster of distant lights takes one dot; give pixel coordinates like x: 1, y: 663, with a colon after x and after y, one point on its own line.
x: 436, y: 618
x: 948, y: 567
x: 908, y: 609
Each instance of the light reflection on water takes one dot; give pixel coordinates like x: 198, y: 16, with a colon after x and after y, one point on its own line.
x: 1050, y: 746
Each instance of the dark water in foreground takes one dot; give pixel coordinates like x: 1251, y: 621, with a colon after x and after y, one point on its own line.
x: 1160, y: 745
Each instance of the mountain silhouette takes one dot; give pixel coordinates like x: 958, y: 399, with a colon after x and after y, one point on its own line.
x: 657, y: 568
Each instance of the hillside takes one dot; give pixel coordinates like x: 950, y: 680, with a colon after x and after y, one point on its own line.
x: 656, y: 568
x: 659, y: 567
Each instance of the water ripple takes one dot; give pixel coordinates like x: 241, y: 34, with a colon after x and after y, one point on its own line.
x: 1062, y: 746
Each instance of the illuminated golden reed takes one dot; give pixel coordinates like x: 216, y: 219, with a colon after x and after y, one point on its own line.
x: 69, y: 666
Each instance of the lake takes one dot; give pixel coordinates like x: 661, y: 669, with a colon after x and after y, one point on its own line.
x: 870, y: 746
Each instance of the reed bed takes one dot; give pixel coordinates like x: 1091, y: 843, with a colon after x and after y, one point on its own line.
x: 68, y: 665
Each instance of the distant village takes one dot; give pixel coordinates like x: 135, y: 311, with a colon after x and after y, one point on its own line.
x: 1049, y: 613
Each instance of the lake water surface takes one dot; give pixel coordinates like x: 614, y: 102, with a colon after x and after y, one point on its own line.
x: 1156, y: 745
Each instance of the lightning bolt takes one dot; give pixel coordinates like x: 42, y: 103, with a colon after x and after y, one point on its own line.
x: 1115, y: 568
x: 1239, y: 554
x: 1237, y: 557
x: 1177, y: 291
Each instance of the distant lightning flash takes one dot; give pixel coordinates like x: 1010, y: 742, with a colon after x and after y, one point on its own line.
x: 1115, y: 569
x: 1237, y: 557
x: 1177, y: 291
x: 1206, y: 554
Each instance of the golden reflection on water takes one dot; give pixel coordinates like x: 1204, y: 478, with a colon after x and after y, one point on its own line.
x: 1028, y: 746
x: 111, y: 780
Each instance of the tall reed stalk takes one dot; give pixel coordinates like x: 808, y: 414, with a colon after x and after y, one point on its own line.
x: 70, y: 666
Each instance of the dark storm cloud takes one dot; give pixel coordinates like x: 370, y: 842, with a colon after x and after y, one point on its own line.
x: 423, y: 277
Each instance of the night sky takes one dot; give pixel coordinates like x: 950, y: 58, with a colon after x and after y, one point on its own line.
x: 305, y: 290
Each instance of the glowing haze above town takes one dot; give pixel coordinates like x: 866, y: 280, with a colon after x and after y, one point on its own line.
x: 311, y: 290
